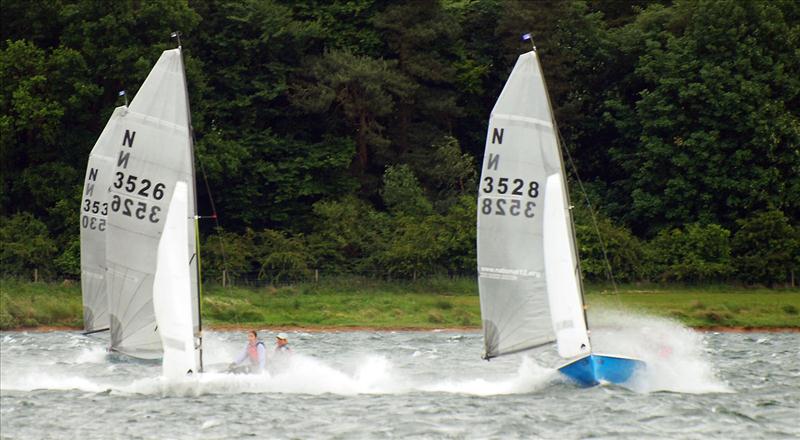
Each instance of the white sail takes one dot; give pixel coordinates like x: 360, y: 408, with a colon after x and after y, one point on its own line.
x: 172, y: 293
x: 561, y: 273
x: 521, y: 152
x: 94, y: 220
x: 153, y: 153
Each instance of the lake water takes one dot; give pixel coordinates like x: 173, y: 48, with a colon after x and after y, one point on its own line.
x: 61, y: 385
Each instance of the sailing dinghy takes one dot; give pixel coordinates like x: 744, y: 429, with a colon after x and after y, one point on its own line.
x: 94, y: 222
x: 528, y: 271
x: 147, y: 162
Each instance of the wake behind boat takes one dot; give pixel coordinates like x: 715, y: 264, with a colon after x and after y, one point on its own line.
x: 528, y: 271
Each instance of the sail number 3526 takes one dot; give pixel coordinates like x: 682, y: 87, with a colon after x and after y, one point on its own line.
x: 510, y: 187
x: 144, y: 188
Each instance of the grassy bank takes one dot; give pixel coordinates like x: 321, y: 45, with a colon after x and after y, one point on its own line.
x: 26, y: 304
x: 426, y: 304
x: 717, y: 306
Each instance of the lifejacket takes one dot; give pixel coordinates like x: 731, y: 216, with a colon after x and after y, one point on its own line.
x: 252, y: 352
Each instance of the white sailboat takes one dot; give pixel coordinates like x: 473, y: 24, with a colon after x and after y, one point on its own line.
x: 153, y: 152
x: 528, y: 271
x: 94, y: 223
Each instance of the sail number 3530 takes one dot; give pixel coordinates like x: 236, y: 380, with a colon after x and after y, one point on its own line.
x: 511, y: 187
x: 144, y: 188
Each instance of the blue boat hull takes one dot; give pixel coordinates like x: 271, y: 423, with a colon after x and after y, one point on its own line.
x: 593, y: 369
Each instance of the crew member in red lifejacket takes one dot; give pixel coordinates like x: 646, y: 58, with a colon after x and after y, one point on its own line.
x: 254, y: 353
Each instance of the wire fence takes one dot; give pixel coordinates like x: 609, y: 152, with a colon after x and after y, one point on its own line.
x: 261, y: 279
x: 258, y: 279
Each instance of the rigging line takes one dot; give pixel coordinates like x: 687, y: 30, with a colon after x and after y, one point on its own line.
x: 213, y: 210
x: 591, y: 211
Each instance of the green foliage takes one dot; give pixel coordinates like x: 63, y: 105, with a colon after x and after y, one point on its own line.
x: 349, y: 133
x: 362, y: 88
x: 446, y: 172
x: 765, y: 248
x: 414, y: 247
x: 402, y: 193
x: 25, y: 245
x: 281, y: 257
x: 227, y: 251
x: 717, y: 81
x: 68, y: 262
x: 347, y: 236
x: 697, y: 253
x: 41, y: 100
x: 624, y: 251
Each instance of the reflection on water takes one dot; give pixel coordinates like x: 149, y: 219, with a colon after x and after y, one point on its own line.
x: 406, y: 384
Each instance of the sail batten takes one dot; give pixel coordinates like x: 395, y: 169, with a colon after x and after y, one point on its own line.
x: 522, y: 302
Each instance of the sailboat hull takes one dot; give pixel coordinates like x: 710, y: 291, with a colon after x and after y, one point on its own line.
x: 594, y: 369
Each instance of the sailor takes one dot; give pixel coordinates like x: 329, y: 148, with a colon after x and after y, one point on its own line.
x: 282, y: 344
x: 254, y: 354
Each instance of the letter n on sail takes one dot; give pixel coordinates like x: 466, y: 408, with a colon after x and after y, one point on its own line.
x: 122, y: 161
x: 497, y: 136
x: 128, y: 139
x: 493, y: 162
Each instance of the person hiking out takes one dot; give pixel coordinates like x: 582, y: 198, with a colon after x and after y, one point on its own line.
x: 254, y: 354
x: 282, y: 343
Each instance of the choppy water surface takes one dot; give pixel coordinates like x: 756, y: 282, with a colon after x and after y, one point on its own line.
x: 407, y: 385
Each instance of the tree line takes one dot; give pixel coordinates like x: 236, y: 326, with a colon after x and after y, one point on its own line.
x: 346, y: 136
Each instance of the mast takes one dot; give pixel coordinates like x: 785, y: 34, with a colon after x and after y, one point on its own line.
x: 195, y: 217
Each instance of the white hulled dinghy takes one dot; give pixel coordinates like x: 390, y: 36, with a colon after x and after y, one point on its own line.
x: 528, y: 270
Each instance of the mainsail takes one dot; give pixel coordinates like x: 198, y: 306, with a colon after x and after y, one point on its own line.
x: 154, y: 151
x: 94, y: 222
x: 172, y: 293
x: 529, y: 288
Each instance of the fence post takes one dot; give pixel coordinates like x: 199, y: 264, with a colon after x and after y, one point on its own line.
x: 316, y: 275
x: 224, y: 278
x: 36, y: 275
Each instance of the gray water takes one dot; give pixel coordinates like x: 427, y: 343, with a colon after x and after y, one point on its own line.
x: 61, y: 385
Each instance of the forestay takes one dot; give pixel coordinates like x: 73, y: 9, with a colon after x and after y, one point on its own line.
x: 94, y: 222
x: 521, y: 159
x: 153, y: 153
x: 172, y: 293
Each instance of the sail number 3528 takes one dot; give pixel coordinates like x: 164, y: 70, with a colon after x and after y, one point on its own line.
x: 144, y: 188
x: 510, y: 187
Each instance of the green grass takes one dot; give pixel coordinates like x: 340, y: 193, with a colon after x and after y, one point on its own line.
x: 424, y: 304
x: 26, y: 304
x: 376, y: 305
x: 712, y: 306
